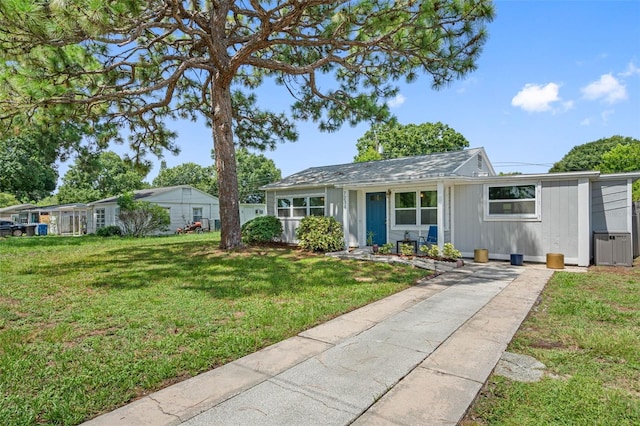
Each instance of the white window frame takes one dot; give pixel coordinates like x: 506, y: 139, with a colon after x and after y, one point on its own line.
x: 521, y: 217
x: 418, y: 209
x: 193, y: 214
x: 101, y: 218
x: 295, y: 209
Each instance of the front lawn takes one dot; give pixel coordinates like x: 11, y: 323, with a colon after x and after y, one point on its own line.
x: 88, y: 324
x: 586, y: 330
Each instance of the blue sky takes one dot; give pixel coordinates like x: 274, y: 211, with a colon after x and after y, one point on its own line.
x: 553, y: 75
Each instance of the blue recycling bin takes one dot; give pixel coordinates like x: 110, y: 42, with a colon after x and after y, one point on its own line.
x: 517, y: 259
x: 43, y: 228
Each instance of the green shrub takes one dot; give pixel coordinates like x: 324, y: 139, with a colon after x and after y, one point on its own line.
x: 319, y: 233
x: 406, y: 249
x: 386, y: 248
x: 450, y: 252
x: 141, y: 218
x: 109, y: 231
x: 431, y: 250
x: 262, y: 229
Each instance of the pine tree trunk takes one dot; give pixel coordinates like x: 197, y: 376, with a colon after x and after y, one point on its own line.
x: 225, y: 154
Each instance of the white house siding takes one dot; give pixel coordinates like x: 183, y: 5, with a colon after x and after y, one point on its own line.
x: 251, y: 211
x: 610, y: 206
x: 556, y: 232
x: 333, y: 203
x: 270, y: 202
x: 182, y: 201
x: 353, y: 219
x: 560, y: 219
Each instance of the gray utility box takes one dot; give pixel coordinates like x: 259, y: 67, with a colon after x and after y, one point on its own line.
x: 612, y: 248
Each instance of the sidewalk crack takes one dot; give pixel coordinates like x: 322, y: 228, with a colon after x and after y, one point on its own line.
x: 159, y: 405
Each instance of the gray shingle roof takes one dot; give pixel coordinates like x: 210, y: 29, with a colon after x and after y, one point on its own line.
x: 17, y: 207
x: 142, y: 193
x: 383, y: 171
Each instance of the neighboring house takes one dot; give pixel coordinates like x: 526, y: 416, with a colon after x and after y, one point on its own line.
x: 17, y: 213
x: 460, y: 195
x: 63, y: 219
x: 184, y: 203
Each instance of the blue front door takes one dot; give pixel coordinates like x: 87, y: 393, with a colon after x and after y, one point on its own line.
x: 377, y: 216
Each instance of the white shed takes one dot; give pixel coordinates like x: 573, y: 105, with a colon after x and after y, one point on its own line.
x: 185, y: 204
x: 251, y: 211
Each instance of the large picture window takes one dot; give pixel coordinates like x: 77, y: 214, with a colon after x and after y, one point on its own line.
x: 415, y: 208
x: 300, y: 206
x: 512, y: 201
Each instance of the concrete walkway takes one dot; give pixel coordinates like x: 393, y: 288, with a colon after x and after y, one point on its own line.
x: 417, y: 357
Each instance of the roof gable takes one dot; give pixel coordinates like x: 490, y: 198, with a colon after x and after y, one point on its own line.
x: 384, y: 171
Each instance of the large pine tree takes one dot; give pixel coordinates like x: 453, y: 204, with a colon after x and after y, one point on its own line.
x: 137, y: 63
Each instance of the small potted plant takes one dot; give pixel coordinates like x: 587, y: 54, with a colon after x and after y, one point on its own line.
x: 374, y: 247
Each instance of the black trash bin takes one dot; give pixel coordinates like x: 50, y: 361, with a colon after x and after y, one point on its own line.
x: 31, y: 230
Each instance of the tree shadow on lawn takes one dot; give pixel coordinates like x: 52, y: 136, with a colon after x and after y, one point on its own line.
x: 197, y: 266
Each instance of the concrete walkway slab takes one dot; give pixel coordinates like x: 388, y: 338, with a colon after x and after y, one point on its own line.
x: 417, y: 357
x: 411, y: 402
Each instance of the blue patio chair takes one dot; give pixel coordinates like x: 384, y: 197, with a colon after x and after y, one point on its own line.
x: 432, y: 236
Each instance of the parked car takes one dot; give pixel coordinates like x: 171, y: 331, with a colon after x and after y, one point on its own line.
x: 9, y: 227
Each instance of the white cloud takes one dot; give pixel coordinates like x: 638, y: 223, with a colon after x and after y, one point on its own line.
x: 566, y: 106
x: 631, y: 70
x: 606, y: 114
x: 585, y: 122
x: 397, y: 101
x: 608, y: 88
x: 536, y: 98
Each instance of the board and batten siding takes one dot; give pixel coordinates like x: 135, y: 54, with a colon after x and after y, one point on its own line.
x: 610, y: 207
x: 556, y: 232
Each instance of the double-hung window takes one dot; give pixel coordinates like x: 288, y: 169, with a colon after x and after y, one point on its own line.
x: 415, y: 208
x: 295, y: 207
x: 512, y: 202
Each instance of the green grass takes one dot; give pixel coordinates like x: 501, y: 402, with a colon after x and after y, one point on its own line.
x: 89, y: 324
x: 586, y: 330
